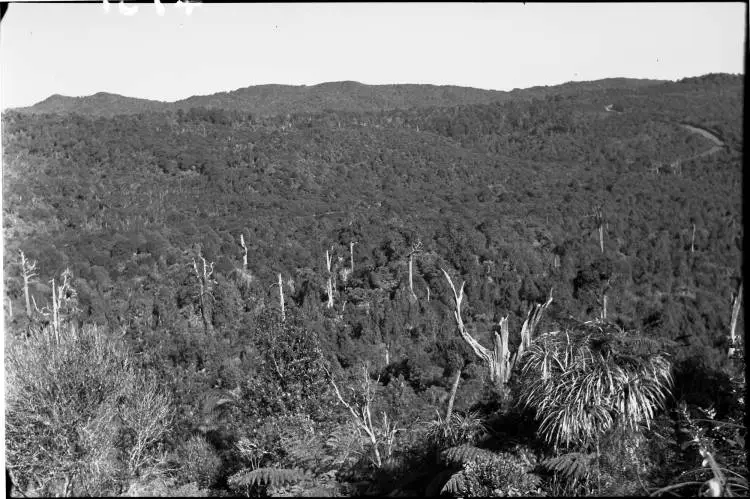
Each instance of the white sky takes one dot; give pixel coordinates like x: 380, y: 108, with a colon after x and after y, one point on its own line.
x: 79, y: 49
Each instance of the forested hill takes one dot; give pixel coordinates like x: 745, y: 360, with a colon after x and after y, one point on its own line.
x: 177, y: 230
x: 270, y: 100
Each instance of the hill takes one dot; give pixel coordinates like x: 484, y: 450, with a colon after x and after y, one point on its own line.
x: 350, y: 96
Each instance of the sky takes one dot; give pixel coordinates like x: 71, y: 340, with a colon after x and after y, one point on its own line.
x: 80, y: 49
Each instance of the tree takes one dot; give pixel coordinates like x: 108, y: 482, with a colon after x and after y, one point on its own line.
x: 28, y: 270
x: 499, y: 360
x: 205, y: 293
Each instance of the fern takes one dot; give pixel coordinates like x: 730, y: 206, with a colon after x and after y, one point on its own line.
x: 273, y: 477
x: 574, y: 465
x: 456, y: 485
x: 464, y: 454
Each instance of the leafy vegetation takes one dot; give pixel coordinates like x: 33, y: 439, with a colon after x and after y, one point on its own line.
x: 147, y: 254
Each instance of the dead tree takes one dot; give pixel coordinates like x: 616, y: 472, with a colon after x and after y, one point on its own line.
x: 205, y: 283
x: 329, y: 286
x: 415, y: 249
x: 281, y: 298
x: 735, y: 315
x: 63, y: 299
x: 452, y: 398
x: 351, y: 255
x: 656, y: 166
x: 361, y: 412
x: 692, y: 241
x: 244, y: 257
x: 599, y: 220
x: 28, y: 270
x: 498, y: 360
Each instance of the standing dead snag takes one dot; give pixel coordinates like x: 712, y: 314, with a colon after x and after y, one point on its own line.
x: 362, y: 415
x: 281, y: 298
x: 735, y: 316
x: 692, y: 241
x: 415, y: 249
x: 599, y: 219
x: 452, y: 398
x: 28, y: 270
x: 329, y: 286
x: 63, y: 301
x: 498, y: 359
x: 206, y: 290
x: 244, y: 257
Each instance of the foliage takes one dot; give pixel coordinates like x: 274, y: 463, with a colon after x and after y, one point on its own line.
x: 290, y: 374
x: 198, y: 461
x: 486, y: 473
x: 127, y: 201
x: 460, y: 429
x: 79, y: 413
x: 583, y: 382
x: 245, y: 480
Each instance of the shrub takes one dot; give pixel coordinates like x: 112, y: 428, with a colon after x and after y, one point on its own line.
x: 486, y: 473
x: 79, y: 416
x: 588, y: 380
x: 199, y: 461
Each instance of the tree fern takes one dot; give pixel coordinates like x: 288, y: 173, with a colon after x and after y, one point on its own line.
x: 456, y: 484
x: 464, y: 454
x: 266, y: 477
x: 573, y: 465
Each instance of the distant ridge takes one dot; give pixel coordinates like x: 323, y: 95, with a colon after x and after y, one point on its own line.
x: 351, y: 96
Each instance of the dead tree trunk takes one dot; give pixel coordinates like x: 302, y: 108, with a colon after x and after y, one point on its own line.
x: 416, y: 248
x: 599, y: 217
x: 205, y: 283
x: 28, y: 269
x: 452, y: 398
x: 498, y: 360
x: 735, y: 316
x: 329, y: 287
x: 244, y: 257
x: 281, y: 298
x: 692, y: 241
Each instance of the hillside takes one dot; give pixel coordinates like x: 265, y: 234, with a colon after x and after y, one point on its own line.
x: 350, y: 96
x: 181, y: 229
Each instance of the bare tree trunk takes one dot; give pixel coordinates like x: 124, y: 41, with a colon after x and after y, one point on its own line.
x: 735, y: 316
x: 498, y: 360
x: 281, y: 298
x: 205, y: 289
x: 604, y: 307
x: 55, y: 318
x: 452, y: 398
x: 28, y: 270
x: 500, y: 364
x: 351, y: 255
x: 330, y: 282
x: 428, y: 293
x: 244, y: 257
x: 411, y: 281
x: 692, y: 241
x: 601, y: 237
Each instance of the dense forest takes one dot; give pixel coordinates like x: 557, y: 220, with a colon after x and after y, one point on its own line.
x: 533, y: 293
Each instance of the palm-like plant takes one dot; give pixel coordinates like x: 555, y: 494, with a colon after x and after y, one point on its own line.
x: 589, y: 379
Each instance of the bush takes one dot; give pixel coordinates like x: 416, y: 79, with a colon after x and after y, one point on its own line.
x: 199, y: 462
x: 79, y: 416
